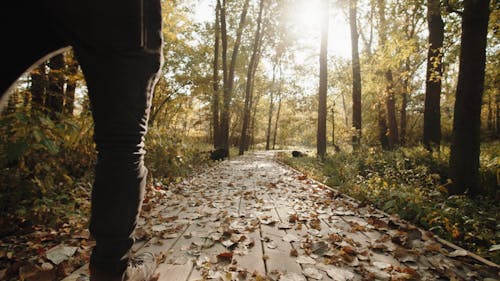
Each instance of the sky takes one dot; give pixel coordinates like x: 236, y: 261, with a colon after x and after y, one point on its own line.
x: 305, y: 14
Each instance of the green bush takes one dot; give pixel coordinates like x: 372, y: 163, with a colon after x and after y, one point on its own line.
x: 169, y: 157
x: 40, y: 160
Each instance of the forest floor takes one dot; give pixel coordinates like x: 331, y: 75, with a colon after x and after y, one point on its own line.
x: 252, y: 218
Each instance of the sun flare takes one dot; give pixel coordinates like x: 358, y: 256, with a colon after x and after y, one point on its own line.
x: 306, y: 14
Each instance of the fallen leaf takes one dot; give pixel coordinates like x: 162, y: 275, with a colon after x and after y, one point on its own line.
x: 159, y: 228
x: 225, y: 257
x: 319, y: 248
x: 290, y: 238
x: 60, y: 253
x: 339, y: 274
x: 227, y: 243
x: 313, y: 273
x: 283, y: 225
x: 272, y: 245
x: 381, y: 265
x: 494, y: 248
x: 458, y: 253
x: 302, y: 177
x: 305, y: 260
x: 292, y: 276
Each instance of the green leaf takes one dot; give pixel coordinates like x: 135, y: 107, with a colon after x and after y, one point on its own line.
x: 16, y: 150
x: 51, y: 146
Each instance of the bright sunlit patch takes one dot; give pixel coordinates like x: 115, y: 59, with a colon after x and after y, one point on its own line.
x: 306, y: 16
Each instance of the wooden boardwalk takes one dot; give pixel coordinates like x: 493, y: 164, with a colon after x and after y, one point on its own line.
x: 252, y: 218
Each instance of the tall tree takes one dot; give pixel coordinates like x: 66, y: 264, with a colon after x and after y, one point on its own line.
x: 55, y: 90
x: 252, y: 66
x: 465, y: 146
x: 497, y: 118
x: 404, y: 102
x: 382, y: 126
x: 276, y: 121
x: 71, y: 78
x: 38, y: 86
x: 229, y: 73
x: 356, y: 75
x: 432, y: 111
x: 271, y: 103
x: 390, y: 101
x: 323, y: 81
x: 215, y: 82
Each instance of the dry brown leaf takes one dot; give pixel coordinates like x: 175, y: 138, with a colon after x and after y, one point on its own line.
x: 225, y: 257
x: 378, y: 223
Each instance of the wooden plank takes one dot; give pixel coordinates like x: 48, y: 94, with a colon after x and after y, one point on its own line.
x: 253, y: 261
x: 277, y: 259
x: 138, y: 247
x: 178, y: 263
x: 283, y: 208
x: 82, y: 272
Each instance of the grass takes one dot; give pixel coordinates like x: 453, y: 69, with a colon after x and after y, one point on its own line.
x: 411, y: 182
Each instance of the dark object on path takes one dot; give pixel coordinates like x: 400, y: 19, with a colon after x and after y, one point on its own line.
x: 219, y: 154
x: 336, y: 147
x: 296, y: 153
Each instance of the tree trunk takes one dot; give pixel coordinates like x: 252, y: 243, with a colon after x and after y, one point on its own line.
x: 403, y: 116
x: 497, y: 118
x: 465, y: 146
x: 489, y: 119
x: 391, y: 111
x: 229, y: 80
x: 344, y: 108
x: 271, y: 108
x: 269, y: 120
x: 382, y: 126
x: 432, y: 111
x: 38, y: 87
x: 254, y: 119
x: 356, y: 76
x: 333, y: 124
x: 55, y: 93
x: 390, y: 102
x: 71, y: 80
x: 249, y: 89
x: 323, y: 82
x: 215, y: 82
x: 276, y: 122
x: 404, y: 103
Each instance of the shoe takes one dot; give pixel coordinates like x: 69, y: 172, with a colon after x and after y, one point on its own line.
x: 139, y: 268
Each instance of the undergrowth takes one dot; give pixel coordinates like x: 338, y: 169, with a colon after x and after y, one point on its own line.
x: 47, y: 166
x: 411, y: 182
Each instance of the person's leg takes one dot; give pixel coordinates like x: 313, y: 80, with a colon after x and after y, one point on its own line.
x: 120, y: 83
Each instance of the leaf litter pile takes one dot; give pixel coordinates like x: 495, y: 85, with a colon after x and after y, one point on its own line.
x: 251, y: 218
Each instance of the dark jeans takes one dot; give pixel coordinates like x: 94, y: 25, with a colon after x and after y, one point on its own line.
x: 118, y: 45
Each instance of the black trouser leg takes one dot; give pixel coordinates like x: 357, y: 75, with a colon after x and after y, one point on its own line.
x: 120, y: 87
